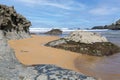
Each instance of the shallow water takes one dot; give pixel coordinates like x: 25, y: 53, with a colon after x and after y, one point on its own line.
x: 104, y: 68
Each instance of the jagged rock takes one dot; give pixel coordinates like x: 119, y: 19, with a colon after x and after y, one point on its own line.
x: 86, y: 43
x: 54, y: 32
x: 14, y: 25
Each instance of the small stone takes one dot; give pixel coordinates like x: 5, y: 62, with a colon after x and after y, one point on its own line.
x: 42, y: 77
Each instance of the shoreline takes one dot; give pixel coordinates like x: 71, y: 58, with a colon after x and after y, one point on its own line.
x: 31, y: 51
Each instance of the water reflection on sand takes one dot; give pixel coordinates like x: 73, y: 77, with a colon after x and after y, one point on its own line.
x: 104, y: 68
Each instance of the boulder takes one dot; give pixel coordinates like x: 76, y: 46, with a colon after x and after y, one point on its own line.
x: 85, y: 37
x: 86, y: 43
x: 14, y: 25
x: 54, y: 32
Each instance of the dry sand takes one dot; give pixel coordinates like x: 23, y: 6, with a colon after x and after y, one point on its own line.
x: 32, y: 51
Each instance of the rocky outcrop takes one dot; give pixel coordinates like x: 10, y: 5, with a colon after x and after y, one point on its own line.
x: 54, y: 32
x: 113, y: 26
x: 86, y: 43
x: 85, y: 37
x: 98, y: 27
x: 14, y: 25
x: 10, y: 67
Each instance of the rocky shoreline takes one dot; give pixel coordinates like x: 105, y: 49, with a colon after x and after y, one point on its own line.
x: 15, y: 26
x: 12, y: 69
x: 113, y: 26
x: 86, y: 43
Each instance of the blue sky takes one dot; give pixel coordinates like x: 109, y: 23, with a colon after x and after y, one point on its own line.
x: 67, y: 13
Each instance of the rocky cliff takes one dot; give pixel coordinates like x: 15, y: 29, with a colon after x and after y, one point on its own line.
x: 113, y: 26
x: 14, y: 25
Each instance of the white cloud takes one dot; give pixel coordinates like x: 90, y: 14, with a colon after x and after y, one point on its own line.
x: 63, y: 4
x: 58, y: 5
x: 31, y: 1
x: 103, y: 10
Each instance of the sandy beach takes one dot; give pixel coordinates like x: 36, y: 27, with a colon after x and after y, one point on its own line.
x: 31, y: 51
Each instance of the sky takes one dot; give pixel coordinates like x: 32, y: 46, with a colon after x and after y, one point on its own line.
x: 67, y: 13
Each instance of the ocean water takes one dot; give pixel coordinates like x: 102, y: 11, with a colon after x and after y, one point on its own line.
x: 104, y: 68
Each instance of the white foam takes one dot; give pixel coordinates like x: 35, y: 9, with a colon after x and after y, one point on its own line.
x: 37, y: 30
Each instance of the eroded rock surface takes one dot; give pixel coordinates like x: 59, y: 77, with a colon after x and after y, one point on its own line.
x: 14, y: 25
x: 85, y: 37
x: 86, y: 43
x: 52, y: 72
x: 10, y: 67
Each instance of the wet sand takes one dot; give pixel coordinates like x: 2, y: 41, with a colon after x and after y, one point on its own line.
x: 32, y: 51
x: 105, y: 68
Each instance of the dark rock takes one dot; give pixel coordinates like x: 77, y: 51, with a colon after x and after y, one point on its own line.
x: 52, y: 72
x: 113, y: 26
x: 54, y: 32
x: 98, y: 27
x: 75, y: 43
x: 14, y: 25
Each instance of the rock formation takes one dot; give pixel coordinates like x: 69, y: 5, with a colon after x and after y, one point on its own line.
x: 85, y: 37
x: 113, y: 26
x: 86, y: 43
x: 15, y: 26
x: 99, y: 27
x: 10, y: 67
x: 54, y: 32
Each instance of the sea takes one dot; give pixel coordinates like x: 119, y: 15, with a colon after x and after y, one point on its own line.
x: 104, y: 68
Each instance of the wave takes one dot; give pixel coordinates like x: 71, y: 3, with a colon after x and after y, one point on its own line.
x: 48, y: 29
x: 38, y: 30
